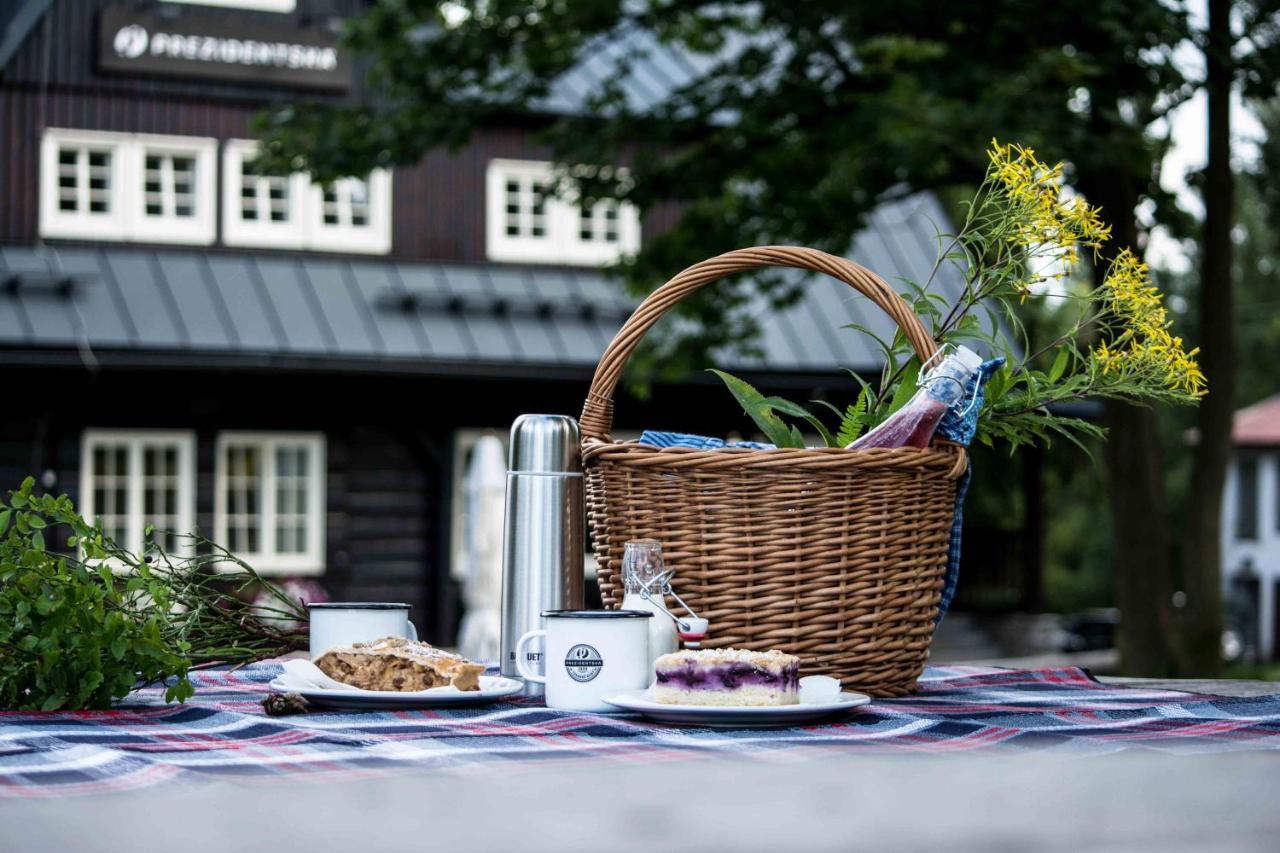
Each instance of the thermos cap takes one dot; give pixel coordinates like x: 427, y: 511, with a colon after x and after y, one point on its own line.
x: 545, y: 444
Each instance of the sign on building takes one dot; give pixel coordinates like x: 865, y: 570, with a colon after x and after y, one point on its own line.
x: 235, y: 47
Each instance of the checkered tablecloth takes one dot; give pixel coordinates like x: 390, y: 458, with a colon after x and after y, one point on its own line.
x: 223, y: 733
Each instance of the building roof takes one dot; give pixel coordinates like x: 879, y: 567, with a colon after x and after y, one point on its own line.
x: 17, y: 19
x: 210, y: 307
x: 646, y: 70
x: 1258, y: 425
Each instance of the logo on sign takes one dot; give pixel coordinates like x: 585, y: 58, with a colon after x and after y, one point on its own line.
x: 131, y: 41
x: 583, y: 663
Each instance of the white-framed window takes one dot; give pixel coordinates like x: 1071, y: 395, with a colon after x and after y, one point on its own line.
x: 264, y: 211
x: 127, y: 186
x: 289, y: 212
x: 269, y: 500
x: 524, y: 225
x: 599, y: 222
x: 82, y: 191
x: 173, y: 181
x: 352, y: 215
x: 130, y: 479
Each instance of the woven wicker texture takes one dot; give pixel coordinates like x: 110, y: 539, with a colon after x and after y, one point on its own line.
x: 833, y: 555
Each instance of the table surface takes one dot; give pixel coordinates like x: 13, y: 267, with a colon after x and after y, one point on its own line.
x: 1126, y: 802
x: 1206, y: 686
x: 977, y: 799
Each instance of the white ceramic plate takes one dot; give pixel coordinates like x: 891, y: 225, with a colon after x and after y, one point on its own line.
x: 492, y: 688
x: 640, y: 702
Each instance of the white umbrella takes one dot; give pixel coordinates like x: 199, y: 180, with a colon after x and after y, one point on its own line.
x: 480, y: 564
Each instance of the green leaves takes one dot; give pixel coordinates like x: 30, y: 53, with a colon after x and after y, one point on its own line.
x: 854, y: 421
x: 761, y: 409
x: 904, y: 390
x: 1059, y: 364
x: 80, y: 630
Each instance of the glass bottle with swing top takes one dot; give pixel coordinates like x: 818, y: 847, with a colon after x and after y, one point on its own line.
x: 943, y: 384
x: 645, y: 578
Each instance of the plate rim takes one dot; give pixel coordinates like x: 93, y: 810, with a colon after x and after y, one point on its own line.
x: 358, y: 695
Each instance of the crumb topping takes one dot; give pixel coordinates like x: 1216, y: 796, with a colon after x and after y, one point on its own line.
x: 401, y: 647
x: 713, y: 657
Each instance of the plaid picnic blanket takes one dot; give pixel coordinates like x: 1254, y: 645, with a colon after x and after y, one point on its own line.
x: 223, y: 732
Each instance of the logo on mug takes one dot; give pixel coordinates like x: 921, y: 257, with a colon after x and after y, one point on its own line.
x: 583, y: 663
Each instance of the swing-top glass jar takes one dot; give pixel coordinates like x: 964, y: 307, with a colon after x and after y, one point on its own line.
x: 644, y: 577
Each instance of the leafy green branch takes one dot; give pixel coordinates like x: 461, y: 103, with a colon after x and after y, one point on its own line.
x: 82, y: 628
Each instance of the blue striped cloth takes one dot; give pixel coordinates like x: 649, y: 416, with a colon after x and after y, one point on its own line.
x: 701, y: 442
x: 954, y: 427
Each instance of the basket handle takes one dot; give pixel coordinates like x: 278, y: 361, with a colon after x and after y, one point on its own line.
x: 597, y: 412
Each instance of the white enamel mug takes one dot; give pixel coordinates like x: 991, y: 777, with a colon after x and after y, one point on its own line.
x: 343, y: 623
x: 589, y: 654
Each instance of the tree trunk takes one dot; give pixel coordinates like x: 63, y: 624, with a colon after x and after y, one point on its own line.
x: 1141, y: 550
x: 1202, y: 570
x: 1142, y: 555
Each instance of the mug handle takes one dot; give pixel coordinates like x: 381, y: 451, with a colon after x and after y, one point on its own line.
x: 520, y: 644
x: 413, y: 631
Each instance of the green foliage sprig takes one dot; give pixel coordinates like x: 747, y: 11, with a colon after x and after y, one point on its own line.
x: 82, y: 629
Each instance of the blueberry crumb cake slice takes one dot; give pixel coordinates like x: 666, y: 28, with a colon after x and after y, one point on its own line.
x: 729, y: 677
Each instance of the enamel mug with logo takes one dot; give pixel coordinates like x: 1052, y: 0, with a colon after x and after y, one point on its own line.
x: 589, y: 654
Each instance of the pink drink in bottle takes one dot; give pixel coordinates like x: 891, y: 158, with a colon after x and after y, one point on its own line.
x: 941, y: 388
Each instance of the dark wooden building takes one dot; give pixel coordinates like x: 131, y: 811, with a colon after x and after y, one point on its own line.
x: 297, y: 370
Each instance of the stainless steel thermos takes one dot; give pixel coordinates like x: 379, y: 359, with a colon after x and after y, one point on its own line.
x: 543, y: 537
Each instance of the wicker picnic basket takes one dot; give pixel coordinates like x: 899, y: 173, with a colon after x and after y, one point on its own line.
x: 834, y: 555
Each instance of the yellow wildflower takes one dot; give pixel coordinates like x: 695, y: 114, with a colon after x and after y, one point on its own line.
x: 1142, y: 348
x: 1037, y: 213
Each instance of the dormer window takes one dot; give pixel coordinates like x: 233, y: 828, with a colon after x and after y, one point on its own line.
x: 81, y: 191
x: 524, y: 224
x: 289, y: 212
x: 352, y: 215
x: 130, y: 187
x: 173, y: 181
x: 262, y: 211
x: 598, y: 223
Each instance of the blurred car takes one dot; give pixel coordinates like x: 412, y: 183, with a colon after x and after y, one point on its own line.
x: 1090, y: 630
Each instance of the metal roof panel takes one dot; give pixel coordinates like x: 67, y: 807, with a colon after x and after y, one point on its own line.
x: 445, y: 333
x: 183, y: 278
x: 253, y: 317
x: 148, y: 299
x: 529, y: 316
x: 304, y: 328
x: 345, y: 313
x: 377, y: 286
x: 100, y: 307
